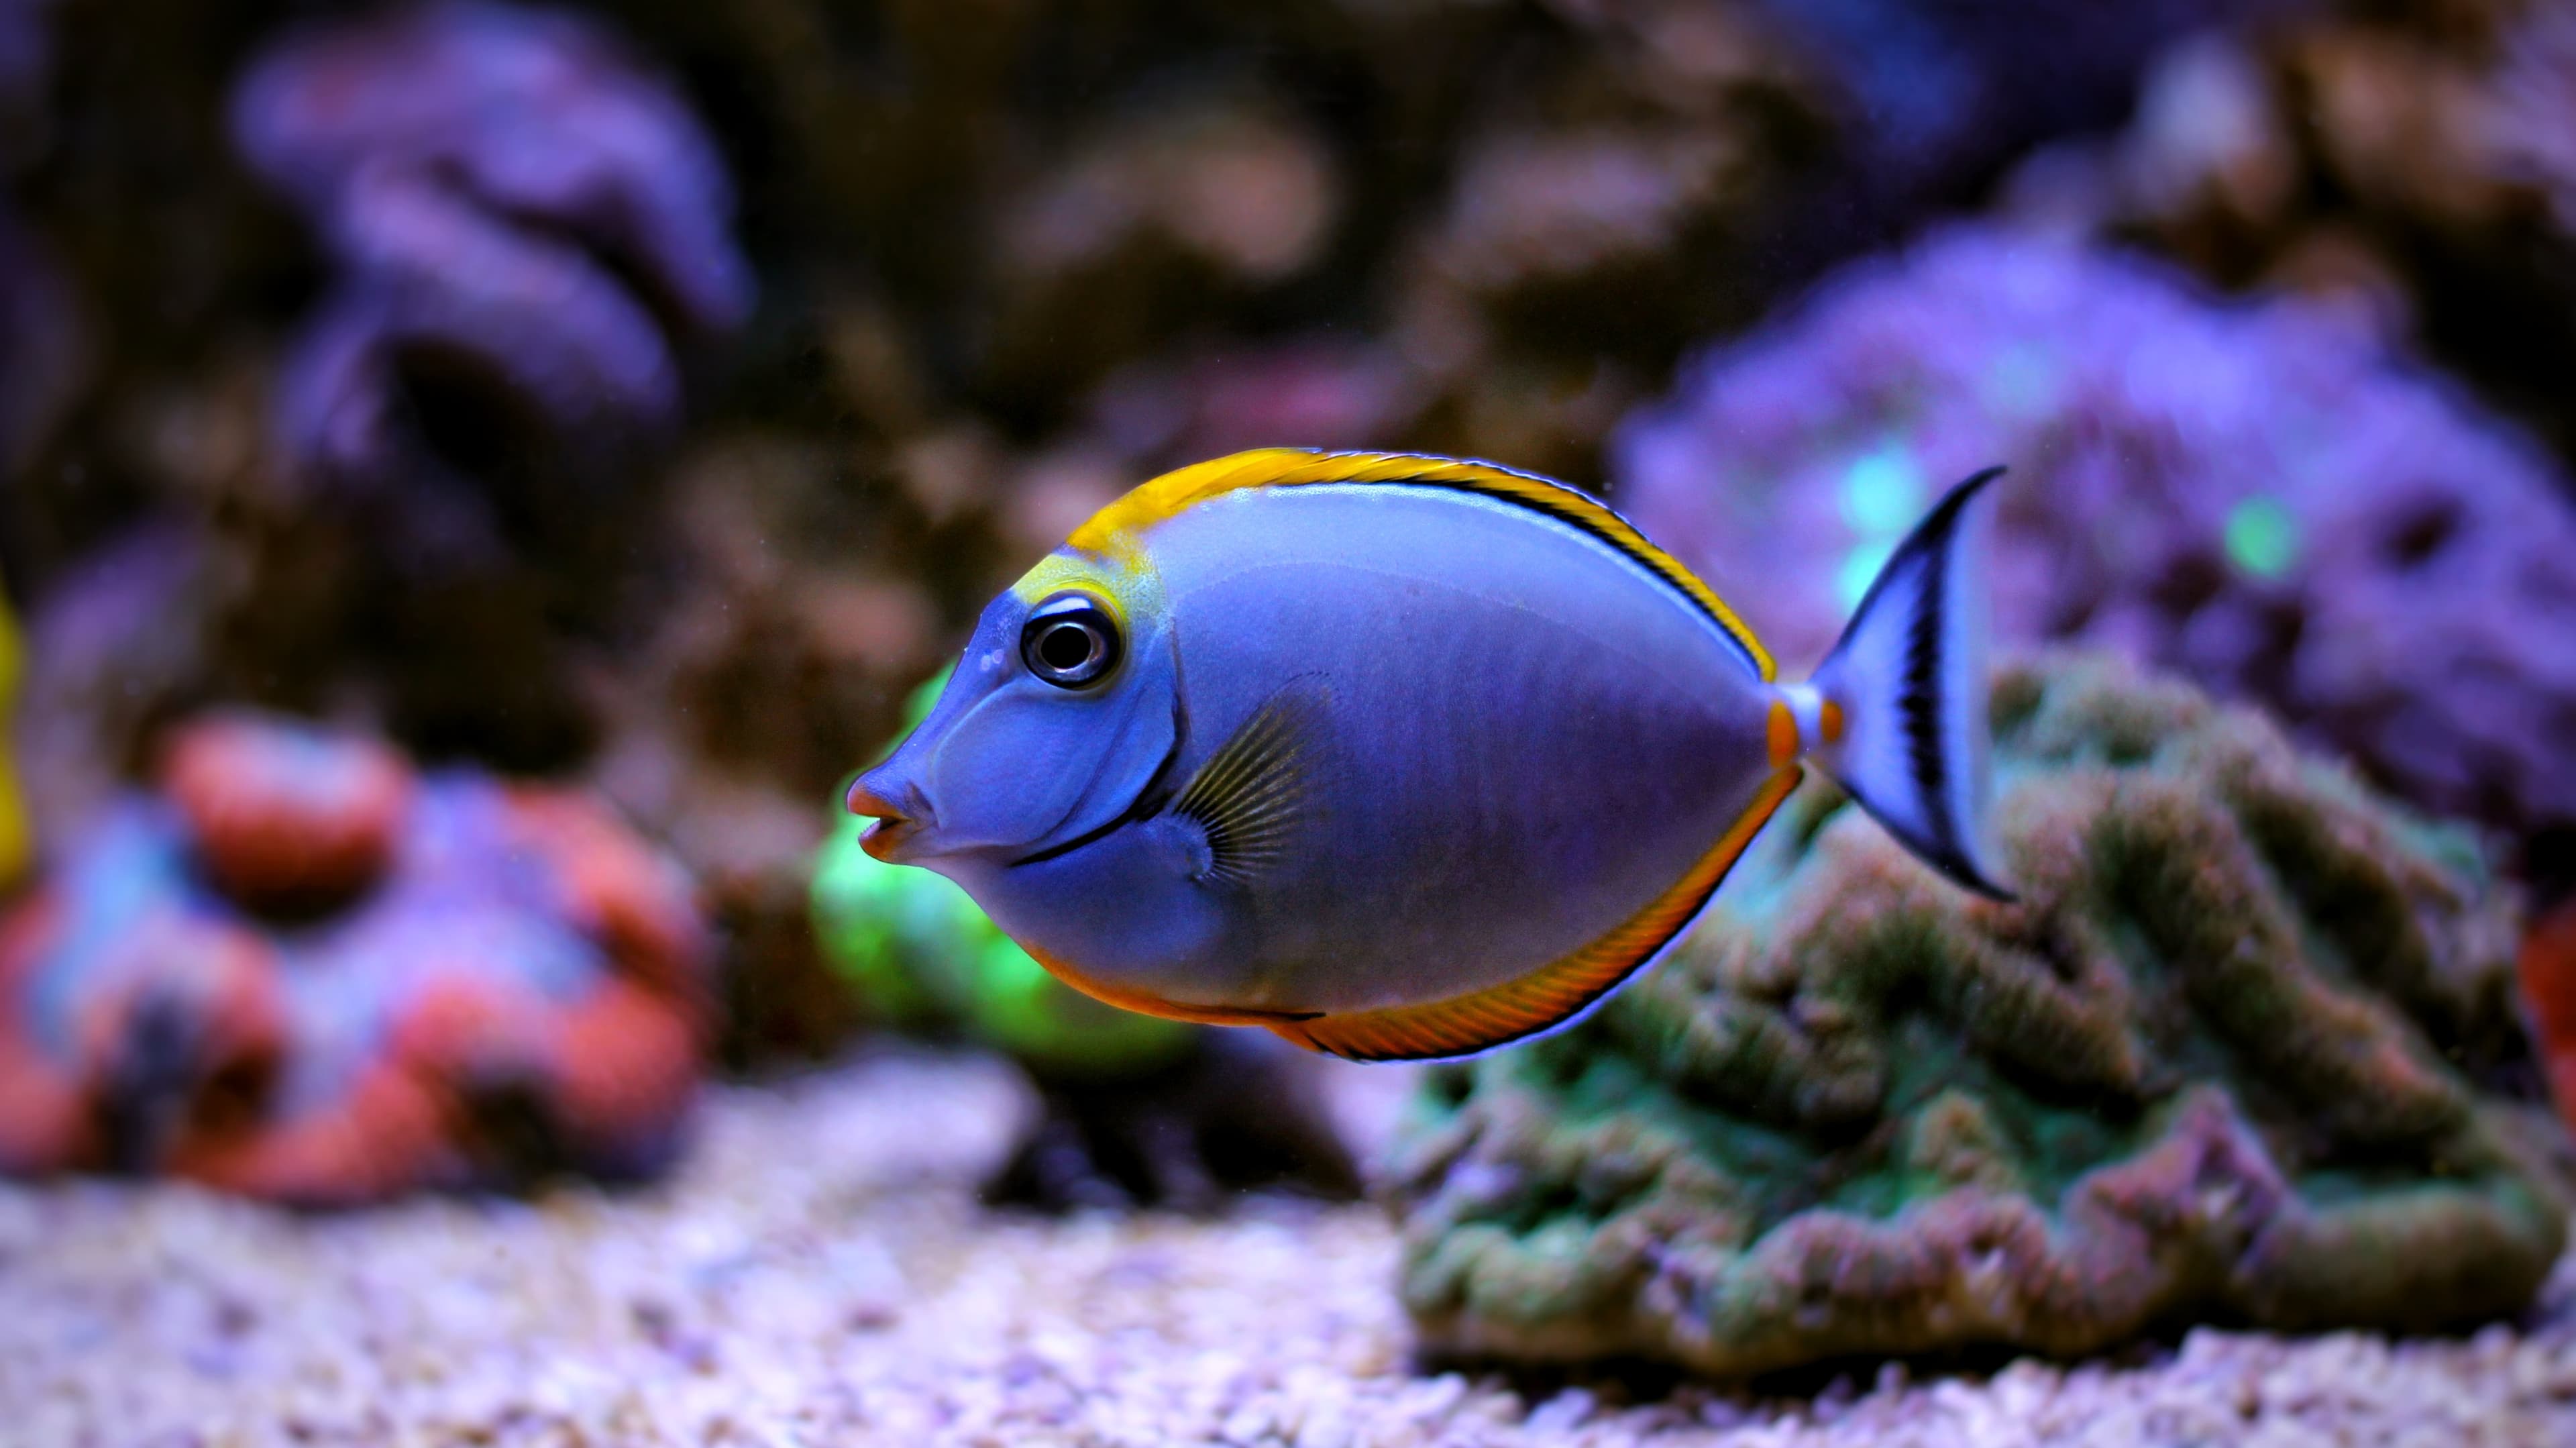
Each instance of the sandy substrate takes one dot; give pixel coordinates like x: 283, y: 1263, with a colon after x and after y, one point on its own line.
x: 820, y: 1275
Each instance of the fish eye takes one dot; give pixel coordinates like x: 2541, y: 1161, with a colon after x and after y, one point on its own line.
x: 1070, y: 641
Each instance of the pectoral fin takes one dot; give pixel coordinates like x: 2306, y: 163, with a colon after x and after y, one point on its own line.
x: 1257, y: 794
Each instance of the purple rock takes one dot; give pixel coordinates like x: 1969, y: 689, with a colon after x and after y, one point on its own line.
x: 2258, y: 495
x: 514, y: 203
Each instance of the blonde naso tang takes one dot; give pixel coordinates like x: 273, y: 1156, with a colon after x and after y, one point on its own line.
x: 1404, y: 756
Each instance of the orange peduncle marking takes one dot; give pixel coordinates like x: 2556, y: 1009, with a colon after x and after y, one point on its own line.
x: 1782, y: 734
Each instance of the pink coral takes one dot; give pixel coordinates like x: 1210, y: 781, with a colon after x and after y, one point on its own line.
x: 476, y: 982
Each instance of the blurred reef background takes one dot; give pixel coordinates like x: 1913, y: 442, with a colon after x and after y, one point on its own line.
x: 479, y: 477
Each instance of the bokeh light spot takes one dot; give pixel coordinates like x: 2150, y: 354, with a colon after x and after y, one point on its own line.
x: 1882, y: 491
x: 2262, y: 537
x: 2022, y: 383
x: 1860, y: 568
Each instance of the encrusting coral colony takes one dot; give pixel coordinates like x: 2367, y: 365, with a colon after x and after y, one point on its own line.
x: 2238, y: 1051
x: 305, y: 971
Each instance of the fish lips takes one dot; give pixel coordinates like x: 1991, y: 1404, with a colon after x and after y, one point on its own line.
x: 900, y: 812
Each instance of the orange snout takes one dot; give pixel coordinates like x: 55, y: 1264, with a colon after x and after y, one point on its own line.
x: 892, y: 825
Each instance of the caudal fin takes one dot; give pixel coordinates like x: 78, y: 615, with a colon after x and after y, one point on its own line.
x: 1902, y: 698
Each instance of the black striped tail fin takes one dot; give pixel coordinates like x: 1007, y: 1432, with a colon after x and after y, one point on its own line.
x: 1904, y: 693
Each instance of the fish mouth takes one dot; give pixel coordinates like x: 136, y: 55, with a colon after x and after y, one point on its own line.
x: 898, y: 823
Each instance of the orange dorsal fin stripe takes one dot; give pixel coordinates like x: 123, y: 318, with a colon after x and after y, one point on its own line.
x: 1552, y: 994
x: 1119, y: 524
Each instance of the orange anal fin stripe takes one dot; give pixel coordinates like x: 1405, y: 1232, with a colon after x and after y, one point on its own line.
x: 1552, y: 994
x: 1152, y: 1005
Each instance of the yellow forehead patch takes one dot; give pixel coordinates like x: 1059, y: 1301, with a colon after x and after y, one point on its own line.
x: 1115, y: 532
x: 1121, y: 577
x: 1056, y: 572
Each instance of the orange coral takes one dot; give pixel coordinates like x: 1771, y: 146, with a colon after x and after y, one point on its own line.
x: 281, y: 818
x: 304, y: 972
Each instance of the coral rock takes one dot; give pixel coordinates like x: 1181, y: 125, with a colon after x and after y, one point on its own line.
x: 2415, y: 161
x: 490, y: 179
x: 2260, y: 497
x: 1319, y: 392
x: 1139, y: 232
x: 1936, y: 89
x: 306, y: 973
x: 1559, y: 214
x: 2225, y: 1058
x: 283, y: 815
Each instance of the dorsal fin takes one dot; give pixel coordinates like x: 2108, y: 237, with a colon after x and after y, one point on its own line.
x: 1256, y: 791
x: 1554, y: 993
x: 1284, y: 467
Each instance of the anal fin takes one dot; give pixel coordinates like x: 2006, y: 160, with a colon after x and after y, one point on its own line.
x: 1554, y: 993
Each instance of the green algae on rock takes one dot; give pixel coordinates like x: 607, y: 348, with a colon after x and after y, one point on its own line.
x: 2244, y: 1051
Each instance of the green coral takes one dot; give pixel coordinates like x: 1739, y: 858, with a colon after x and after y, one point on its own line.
x: 926, y: 958
x: 2228, y: 1057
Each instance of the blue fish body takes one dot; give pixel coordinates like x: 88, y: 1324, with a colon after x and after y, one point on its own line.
x: 1400, y: 756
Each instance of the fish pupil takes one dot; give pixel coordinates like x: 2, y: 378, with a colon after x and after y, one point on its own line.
x: 1066, y: 647
x: 1070, y: 641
